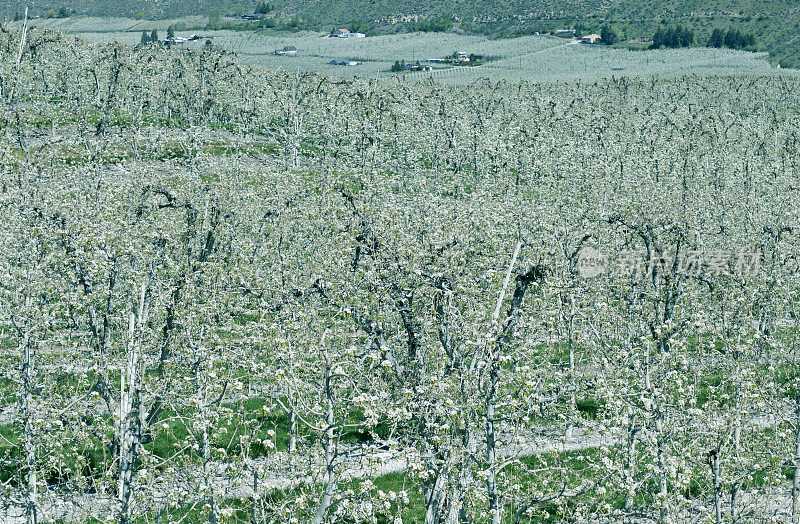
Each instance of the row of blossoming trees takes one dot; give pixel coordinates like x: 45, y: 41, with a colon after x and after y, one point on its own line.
x: 235, y: 294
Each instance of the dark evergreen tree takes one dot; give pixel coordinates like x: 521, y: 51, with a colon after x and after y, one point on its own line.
x: 733, y: 39
x: 686, y: 37
x: 671, y: 39
x: 658, y: 38
x: 737, y: 40
x: 609, y: 35
x: 358, y: 26
x: 717, y: 38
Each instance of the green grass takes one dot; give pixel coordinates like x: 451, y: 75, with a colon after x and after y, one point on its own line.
x: 699, y: 344
x: 240, y: 512
x: 253, y: 149
x: 248, y: 418
x: 9, y: 438
x: 787, y: 376
x: 712, y: 385
x: 241, y: 509
x: 632, y: 46
x: 86, y: 457
x: 8, y: 391
x: 589, y: 407
x: 411, y: 512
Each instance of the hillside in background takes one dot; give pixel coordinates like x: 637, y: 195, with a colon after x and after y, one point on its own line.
x: 773, y: 22
x: 127, y: 8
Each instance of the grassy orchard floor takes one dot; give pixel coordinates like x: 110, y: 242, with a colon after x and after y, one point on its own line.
x: 403, y: 494
x: 272, y: 425
x: 275, y: 426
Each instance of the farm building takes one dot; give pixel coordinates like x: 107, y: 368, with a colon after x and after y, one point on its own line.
x: 289, y: 50
x: 344, y: 33
x: 418, y: 67
x: 176, y: 40
x: 344, y: 62
x: 591, y: 39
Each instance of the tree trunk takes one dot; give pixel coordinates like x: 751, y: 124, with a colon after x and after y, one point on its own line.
x: 127, y: 417
x: 23, y: 37
x: 433, y: 500
x: 573, y: 406
x: 455, y: 507
x: 292, y: 431
x: 796, y: 477
x: 256, y: 501
x: 630, y: 462
x: 331, y: 449
x: 737, y: 445
x: 713, y: 461
x: 130, y: 415
x: 205, y: 446
x: 31, y: 512
x: 663, y: 512
x: 491, y: 442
